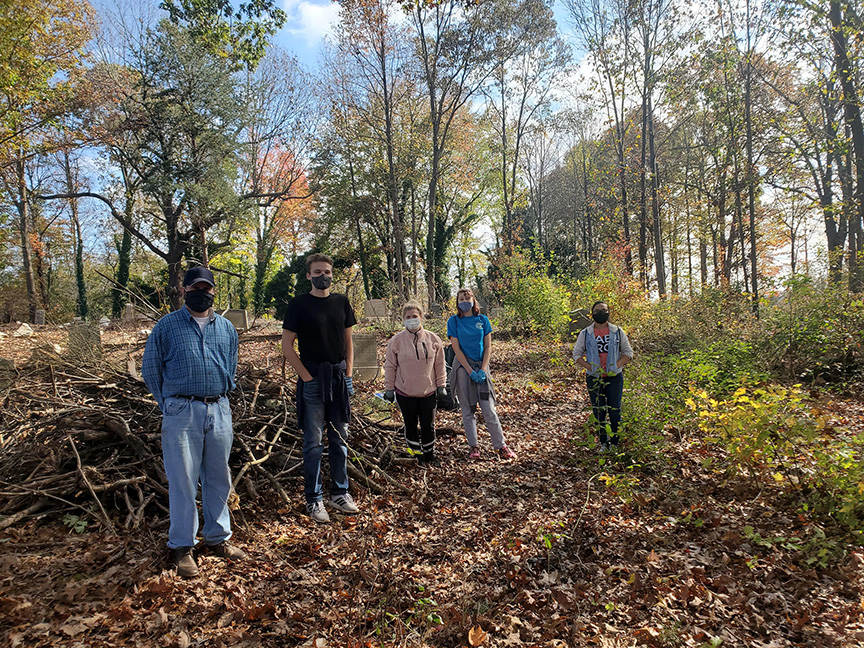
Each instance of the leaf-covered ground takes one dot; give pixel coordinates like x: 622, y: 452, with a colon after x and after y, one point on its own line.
x: 553, y: 549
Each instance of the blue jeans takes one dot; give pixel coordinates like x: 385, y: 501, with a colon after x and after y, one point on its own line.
x: 313, y: 448
x: 196, y: 442
x: 605, y: 394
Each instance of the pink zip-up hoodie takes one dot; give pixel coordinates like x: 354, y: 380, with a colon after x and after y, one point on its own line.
x: 414, y: 365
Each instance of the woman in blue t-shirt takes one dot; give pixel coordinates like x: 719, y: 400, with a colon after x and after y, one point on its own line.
x: 470, y: 334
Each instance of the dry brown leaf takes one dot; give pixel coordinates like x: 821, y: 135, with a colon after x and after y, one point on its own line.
x: 476, y: 636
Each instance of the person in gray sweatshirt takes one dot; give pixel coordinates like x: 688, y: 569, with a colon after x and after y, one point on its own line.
x: 602, y: 349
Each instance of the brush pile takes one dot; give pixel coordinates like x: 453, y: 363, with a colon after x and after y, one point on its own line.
x: 84, y: 441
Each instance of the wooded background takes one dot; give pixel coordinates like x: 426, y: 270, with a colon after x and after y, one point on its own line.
x: 711, y: 144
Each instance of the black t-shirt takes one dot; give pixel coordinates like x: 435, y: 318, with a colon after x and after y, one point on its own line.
x: 320, y: 324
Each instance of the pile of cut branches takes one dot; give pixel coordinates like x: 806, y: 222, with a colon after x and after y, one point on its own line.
x: 79, y: 440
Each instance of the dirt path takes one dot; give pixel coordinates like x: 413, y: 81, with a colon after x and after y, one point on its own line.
x: 550, y: 550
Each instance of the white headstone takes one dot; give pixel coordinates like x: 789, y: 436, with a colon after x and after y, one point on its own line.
x: 129, y: 312
x: 375, y: 308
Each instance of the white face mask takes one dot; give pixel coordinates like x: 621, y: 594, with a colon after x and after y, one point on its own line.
x: 412, y: 323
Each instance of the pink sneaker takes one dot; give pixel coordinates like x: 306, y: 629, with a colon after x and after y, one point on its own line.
x: 506, y: 453
x: 475, y: 453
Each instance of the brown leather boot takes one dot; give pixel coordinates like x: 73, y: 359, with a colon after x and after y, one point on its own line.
x: 227, y: 550
x: 181, y: 559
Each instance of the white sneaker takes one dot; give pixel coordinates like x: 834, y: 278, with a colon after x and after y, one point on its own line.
x: 344, y: 503
x: 317, y: 512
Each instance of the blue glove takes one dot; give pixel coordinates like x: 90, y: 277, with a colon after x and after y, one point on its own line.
x: 482, y: 376
x: 349, y: 383
x: 475, y: 376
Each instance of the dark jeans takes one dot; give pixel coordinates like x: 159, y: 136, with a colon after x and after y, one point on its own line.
x: 420, y: 409
x: 314, y: 424
x: 605, y: 393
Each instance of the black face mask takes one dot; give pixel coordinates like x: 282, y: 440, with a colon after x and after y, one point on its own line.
x: 600, y: 318
x: 199, y: 301
x: 321, y: 282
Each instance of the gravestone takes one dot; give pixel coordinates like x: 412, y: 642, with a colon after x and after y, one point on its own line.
x: 366, y: 367
x: 496, y: 312
x: 39, y: 317
x: 436, y: 310
x: 579, y: 319
x: 375, y: 308
x: 129, y: 312
x: 8, y: 372
x: 239, y: 318
x: 85, y: 342
x: 46, y: 354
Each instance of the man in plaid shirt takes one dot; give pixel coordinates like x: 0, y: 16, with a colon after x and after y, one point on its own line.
x: 189, y: 366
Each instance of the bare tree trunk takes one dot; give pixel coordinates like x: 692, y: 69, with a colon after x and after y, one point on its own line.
x: 852, y: 115
x: 22, y: 203
x: 659, y: 261
x: 750, y: 177
x: 81, y: 306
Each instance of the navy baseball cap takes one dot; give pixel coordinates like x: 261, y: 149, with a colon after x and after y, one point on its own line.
x: 194, y: 275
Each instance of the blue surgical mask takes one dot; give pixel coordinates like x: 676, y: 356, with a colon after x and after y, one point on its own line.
x: 466, y: 306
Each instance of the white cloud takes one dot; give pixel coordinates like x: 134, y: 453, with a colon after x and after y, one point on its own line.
x: 311, y: 21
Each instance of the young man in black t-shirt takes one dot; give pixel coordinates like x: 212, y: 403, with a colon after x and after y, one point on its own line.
x: 321, y: 323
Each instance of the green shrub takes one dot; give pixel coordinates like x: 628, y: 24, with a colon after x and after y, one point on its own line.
x: 533, y: 301
x: 814, y: 331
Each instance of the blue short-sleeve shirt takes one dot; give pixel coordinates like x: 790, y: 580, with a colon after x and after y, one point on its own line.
x: 470, y: 332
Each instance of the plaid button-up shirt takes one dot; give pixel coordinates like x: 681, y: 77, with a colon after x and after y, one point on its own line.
x: 180, y: 358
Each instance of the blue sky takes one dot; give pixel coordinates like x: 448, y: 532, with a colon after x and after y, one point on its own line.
x: 309, y: 21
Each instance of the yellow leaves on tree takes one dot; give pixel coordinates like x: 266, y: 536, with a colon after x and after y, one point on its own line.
x: 42, y: 43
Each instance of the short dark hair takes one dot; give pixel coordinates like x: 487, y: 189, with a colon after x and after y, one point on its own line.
x: 594, y: 305
x: 317, y: 257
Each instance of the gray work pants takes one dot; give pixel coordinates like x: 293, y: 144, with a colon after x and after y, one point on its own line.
x: 464, y: 387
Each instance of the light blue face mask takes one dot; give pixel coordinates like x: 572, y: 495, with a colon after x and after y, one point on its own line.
x: 466, y: 306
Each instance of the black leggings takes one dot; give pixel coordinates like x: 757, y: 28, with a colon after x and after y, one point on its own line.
x: 605, y: 394
x: 422, y: 409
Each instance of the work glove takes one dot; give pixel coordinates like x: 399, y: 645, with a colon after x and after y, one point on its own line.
x: 441, y: 392
x: 349, y: 383
x: 478, y: 376
x: 482, y: 376
x: 390, y: 395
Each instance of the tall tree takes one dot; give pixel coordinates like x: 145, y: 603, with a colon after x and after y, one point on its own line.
x: 455, y: 46
x: 226, y: 30
x: 43, y: 55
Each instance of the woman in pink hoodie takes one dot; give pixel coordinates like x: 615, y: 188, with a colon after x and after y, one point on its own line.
x: 414, y: 377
